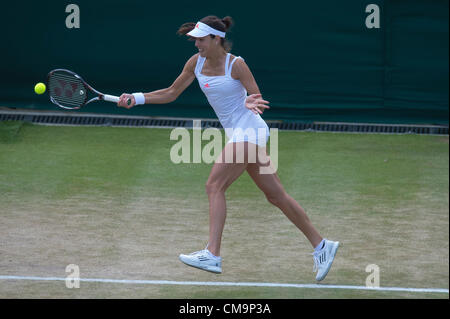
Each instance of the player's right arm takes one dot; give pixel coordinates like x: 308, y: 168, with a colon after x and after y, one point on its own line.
x: 169, y: 94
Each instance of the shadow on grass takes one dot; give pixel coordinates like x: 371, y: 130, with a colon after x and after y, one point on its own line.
x: 9, y: 131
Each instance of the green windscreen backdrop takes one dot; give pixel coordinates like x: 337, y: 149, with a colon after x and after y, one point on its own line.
x: 313, y: 60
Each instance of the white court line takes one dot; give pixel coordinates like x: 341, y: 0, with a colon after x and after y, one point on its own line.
x: 229, y: 284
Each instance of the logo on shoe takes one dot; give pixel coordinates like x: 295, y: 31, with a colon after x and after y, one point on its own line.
x: 206, y: 85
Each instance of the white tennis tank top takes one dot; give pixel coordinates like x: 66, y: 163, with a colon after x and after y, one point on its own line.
x: 227, y: 97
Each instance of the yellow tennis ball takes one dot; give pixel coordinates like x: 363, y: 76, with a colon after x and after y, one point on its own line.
x: 39, y: 88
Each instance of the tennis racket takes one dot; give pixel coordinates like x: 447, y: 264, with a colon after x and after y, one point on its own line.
x: 69, y: 91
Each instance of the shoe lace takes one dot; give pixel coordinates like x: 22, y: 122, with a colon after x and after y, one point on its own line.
x: 200, y: 252
x: 318, y: 258
x: 316, y: 262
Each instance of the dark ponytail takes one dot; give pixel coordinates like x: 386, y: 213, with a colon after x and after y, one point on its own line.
x: 228, y: 22
x: 186, y: 28
x: 214, y: 22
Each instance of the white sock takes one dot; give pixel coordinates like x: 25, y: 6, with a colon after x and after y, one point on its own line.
x: 320, y: 246
x: 211, y: 254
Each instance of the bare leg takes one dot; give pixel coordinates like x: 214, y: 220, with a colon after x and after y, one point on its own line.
x: 222, y: 175
x: 271, y: 185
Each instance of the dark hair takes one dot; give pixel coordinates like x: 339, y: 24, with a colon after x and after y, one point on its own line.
x: 214, y: 22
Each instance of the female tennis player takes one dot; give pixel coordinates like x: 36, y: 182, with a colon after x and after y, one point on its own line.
x: 231, y: 90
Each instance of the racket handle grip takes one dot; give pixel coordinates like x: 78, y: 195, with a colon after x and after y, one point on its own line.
x: 115, y: 99
x: 111, y: 98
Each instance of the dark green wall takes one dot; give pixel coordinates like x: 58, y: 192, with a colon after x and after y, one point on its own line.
x: 313, y: 60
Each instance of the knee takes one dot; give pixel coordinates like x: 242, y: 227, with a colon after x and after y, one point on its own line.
x: 277, y: 199
x: 214, y: 188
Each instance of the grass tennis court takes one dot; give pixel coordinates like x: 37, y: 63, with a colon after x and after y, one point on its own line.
x: 110, y: 200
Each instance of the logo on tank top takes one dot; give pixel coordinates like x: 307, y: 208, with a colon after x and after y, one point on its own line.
x: 206, y: 85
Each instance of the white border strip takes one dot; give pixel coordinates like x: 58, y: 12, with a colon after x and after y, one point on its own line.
x: 224, y: 284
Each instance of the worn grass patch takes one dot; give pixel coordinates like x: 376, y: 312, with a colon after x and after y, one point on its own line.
x: 111, y: 201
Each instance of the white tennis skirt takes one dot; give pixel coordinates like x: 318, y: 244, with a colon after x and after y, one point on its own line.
x: 248, y: 127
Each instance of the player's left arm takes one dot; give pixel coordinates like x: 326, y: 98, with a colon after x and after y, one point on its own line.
x: 254, y: 100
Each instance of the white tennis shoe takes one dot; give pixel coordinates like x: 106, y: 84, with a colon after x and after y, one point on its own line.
x: 323, y: 259
x: 204, y: 260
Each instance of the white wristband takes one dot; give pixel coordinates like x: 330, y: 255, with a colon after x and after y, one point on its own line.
x: 139, y: 98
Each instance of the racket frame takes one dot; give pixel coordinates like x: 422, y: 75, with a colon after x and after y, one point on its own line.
x: 100, y: 96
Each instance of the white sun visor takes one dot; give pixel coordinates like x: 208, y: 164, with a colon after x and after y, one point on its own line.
x: 202, y: 30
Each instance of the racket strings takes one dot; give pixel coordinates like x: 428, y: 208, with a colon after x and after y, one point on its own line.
x: 67, y: 90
